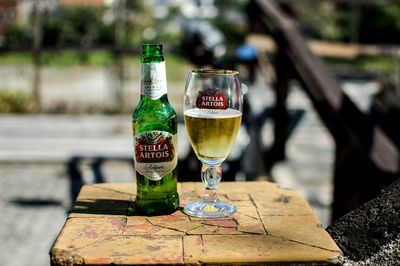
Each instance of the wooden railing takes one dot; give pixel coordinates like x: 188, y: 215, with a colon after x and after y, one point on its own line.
x: 366, y: 159
x: 325, y: 49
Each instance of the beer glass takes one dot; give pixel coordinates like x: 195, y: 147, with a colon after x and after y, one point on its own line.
x: 212, y: 111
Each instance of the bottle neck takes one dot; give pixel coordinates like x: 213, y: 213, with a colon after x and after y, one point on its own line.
x: 153, y: 80
x: 153, y: 73
x: 152, y: 53
x: 147, y: 100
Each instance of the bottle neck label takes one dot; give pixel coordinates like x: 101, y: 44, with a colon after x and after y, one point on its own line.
x: 155, y: 153
x: 154, y: 80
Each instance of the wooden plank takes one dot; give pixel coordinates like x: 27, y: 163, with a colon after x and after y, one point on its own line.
x: 265, y: 43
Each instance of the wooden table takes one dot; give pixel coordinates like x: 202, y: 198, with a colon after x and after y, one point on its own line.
x: 272, y: 225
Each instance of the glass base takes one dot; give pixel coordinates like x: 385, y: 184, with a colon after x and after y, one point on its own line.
x: 203, y: 209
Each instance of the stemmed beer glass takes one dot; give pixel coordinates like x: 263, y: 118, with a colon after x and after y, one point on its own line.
x: 213, y: 111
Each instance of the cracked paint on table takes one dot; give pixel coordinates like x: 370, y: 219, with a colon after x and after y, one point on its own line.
x: 272, y: 225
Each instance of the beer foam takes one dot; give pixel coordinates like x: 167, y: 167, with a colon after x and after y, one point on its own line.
x: 212, y: 113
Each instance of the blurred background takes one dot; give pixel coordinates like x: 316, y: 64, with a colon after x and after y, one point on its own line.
x: 70, y: 78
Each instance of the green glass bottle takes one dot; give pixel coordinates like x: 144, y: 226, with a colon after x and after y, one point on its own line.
x: 154, y: 124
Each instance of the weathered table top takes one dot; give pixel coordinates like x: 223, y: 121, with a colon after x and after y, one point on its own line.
x: 272, y: 225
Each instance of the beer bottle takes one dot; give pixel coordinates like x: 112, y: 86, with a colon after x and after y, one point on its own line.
x: 155, y: 138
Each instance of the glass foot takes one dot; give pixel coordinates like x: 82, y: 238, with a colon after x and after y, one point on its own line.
x: 203, y: 209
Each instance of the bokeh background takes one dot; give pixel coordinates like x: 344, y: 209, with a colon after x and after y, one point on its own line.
x: 70, y: 78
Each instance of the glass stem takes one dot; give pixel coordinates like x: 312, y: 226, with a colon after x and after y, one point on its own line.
x: 211, y: 176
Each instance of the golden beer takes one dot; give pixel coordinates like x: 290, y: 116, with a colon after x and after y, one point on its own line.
x: 212, y: 132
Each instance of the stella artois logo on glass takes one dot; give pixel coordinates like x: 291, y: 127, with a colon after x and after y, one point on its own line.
x: 212, y: 98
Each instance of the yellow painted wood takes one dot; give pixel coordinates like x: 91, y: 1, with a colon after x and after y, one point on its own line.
x: 272, y: 225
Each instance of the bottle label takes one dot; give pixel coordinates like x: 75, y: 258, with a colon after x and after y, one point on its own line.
x: 212, y: 98
x: 154, y: 80
x: 155, y: 154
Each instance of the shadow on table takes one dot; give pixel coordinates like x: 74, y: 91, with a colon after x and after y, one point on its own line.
x: 104, y: 206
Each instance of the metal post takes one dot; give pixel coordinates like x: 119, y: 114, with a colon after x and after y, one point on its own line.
x: 37, y: 50
x: 120, y: 9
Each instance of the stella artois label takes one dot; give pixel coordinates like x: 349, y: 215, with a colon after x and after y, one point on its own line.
x: 155, y: 153
x: 154, y: 80
x: 212, y: 98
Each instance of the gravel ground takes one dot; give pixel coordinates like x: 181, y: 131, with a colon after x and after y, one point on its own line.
x: 370, y: 235
x: 388, y: 255
x: 34, y: 201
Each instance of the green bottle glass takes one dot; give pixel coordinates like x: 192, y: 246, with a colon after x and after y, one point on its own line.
x: 154, y: 124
